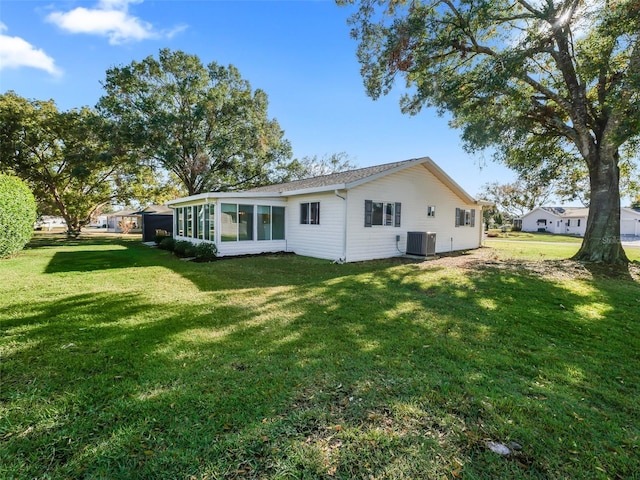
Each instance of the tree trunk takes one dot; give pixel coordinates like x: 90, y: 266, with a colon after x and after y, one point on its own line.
x: 601, y: 241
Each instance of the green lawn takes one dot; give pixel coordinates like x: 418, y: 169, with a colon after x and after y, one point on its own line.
x: 535, y: 236
x: 122, y: 361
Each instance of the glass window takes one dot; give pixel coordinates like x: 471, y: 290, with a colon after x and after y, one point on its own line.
x: 229, y: 222
x: 264, y: 222
x: 376, y: 217
x: 388, y: 214
x: 382, y: 213
x: 189, y: 228
x: 179, y: 221
x: 212, y: 227
x: 310, y: 213
x: 201, y: 228
x: 315, y: 213
x: 245, y: 223
x: 431, y: 211
x: 205, y: 214
x: 277, y: 225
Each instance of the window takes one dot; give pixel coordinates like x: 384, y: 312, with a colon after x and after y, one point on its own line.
x: 277, y: 223
x: 189, y: 218
x: 381, y: 213
x: 179, y: 221
x: 310, y: 213
x: 465, y: 218
x: 270, y: 223
x: 250, y: 222
x: 200, y: 216
x: 245, y: 224
x: 209, y: 225
x: 229, y: 222
x: 431, y: 211
x: 568, y: 222
x: 264, y: 222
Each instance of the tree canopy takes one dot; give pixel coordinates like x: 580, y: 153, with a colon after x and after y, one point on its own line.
x: 515, y: 199
x: 545, y: 84
x: 314, y: 166
x: 204, y: 124
x: 71, y: 160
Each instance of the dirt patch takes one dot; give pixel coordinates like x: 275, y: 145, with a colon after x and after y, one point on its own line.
x: 484, y: 258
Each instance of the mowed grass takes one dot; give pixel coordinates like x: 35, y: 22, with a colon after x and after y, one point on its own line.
x: 121, y: 361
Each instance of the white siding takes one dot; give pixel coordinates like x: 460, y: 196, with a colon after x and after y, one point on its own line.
x: 321, y: 241
x: 629, y: 222
x: 530, y: 222
x: 415, y: 188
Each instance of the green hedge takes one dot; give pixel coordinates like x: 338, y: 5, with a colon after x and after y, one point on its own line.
x: 17, y: 215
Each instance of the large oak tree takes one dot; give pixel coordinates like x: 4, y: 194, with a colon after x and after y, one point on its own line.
x: 204, y: 124
x: 542, y: 82
x: 71, y: 159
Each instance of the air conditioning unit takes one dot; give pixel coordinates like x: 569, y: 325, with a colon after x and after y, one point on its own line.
x: 421, y: 243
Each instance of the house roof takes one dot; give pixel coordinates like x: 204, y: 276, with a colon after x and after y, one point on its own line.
x: 339, y: 181
x: 335, y: 179
x: 562, y: 212
x: 568, y: 211
x: 157, y: 209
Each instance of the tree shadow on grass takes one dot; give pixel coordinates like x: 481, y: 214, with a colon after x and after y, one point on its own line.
x: 302, y: 368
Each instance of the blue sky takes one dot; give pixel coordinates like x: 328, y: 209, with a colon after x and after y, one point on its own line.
x: 299, y: 52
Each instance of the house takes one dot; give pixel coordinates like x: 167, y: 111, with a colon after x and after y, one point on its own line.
x: 128, y: 221
x: 573, y: 220
x: 154, y: 218
x: 568, y: 221
x: 49, y: 222
x: 363, y: 214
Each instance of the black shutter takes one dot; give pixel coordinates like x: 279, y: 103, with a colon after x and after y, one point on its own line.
x: 473, y: 217
x: 368, y: 212
x: 397, y: 214
x: 457, y: 217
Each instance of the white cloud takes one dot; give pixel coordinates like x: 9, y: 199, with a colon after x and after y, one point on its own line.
x: 110, y: 18
x: 16, y: 52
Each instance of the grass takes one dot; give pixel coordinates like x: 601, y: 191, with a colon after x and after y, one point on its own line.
x: 121, y: 361
x: 535, y: 236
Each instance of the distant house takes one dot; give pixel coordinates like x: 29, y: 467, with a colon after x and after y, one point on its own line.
x: 124, y: 220
x: 49, y: 222
x: 383, y: 211
x: 573, y: 220
x: 155, y: 218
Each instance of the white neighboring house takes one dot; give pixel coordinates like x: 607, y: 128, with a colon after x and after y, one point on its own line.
x: 49, y: 222
x: 573, y: 220
x: 361, y: 214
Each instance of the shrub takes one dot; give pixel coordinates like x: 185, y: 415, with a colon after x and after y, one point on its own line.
x: 167, y: 243
x: 206, y: 251
x: 190, y: 251
x: 184, y: 248
x: 17, y: 215
x: 159, y: 237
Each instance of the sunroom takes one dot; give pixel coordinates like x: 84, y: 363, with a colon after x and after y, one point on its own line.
x: 237, y: 224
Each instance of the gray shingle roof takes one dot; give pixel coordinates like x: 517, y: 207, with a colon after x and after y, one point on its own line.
x: 568, y: 211
x: 332, y: 179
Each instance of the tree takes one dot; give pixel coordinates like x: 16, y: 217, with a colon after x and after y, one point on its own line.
x: 517, y: 198
x: 203, y: 124
x: 540, y: 83
x: 17, y: 215
x: 312, y: 166
x: 71, y: 159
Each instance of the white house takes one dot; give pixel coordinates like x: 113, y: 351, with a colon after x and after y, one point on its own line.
x: 573, y: 220
x: 351, y: 216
